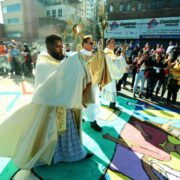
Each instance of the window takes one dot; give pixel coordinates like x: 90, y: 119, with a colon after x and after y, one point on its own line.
x: 13, y: 21
x: 13, y: 34
x: 153, y: 4
x: 48, y: 13
x: 128, y: 7
x: 12, y: 8
x: 175, y: 3
x: 121, y: 7
x: 60, y: 12
x: 111, y: 8
x: 116, y: 7
x: 53, y: 13
x: 139, y: 7
x: 159, y: 4
x: 149, y: 5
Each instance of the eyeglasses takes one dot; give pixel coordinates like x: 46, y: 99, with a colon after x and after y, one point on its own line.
x: 91, y: 43
x: 112, y: 42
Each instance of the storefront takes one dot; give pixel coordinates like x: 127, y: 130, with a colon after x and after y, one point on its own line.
x: 150, y: 30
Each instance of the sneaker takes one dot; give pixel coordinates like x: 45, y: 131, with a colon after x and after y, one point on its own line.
x: 95, y: 126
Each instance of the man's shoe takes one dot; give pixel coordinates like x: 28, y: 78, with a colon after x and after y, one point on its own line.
x: 113, y: 106
x: 88, y: 155
x: 95, y: 126
x: 134, y: 95
x: 140, y: 95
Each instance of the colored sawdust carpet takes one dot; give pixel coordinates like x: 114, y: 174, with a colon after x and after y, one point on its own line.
x: 131, y: 146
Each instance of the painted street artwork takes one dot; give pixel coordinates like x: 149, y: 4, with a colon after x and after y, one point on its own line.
x: 139, y: 141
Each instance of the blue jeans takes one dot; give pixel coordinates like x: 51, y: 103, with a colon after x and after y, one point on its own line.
x: 139, y: 77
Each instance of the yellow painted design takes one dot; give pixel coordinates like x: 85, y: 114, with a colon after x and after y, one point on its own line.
x: 162, y: 114
x: 107, y: 114
x: 117, y: 176
x: 173, y: 140
x: 174, y: 162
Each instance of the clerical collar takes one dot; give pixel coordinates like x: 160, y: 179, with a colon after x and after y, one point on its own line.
x: 85, y: 52
x: 108, y: 50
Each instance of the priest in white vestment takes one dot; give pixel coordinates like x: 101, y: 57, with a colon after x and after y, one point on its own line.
x: 117, y: 67
x: 48, y: 130
x: 99, y: 75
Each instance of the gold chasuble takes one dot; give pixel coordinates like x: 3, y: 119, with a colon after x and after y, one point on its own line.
x: 30, y: 134
x: 99, y: 70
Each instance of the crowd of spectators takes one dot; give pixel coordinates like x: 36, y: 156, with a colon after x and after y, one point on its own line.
x: 159, y: 68
x: 17, y: 59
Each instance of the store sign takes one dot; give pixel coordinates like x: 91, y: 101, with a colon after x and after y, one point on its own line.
x: 124, y: 29
x: 134, y: 28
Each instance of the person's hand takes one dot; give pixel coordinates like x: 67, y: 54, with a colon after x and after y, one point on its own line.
x: 85, y: 106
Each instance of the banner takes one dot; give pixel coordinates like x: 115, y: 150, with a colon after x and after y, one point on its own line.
x: 123, y: 29
x: 165, y: 27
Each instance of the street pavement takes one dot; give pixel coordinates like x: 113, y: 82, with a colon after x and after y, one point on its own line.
x: 16, y: 91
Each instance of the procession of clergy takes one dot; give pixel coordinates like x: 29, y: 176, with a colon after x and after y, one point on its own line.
x: 48, y: 130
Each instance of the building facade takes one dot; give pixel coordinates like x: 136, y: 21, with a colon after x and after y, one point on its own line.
x: 2, y: 32
x: 20, y: 19
x: 28, y: 20
x: 144, y: 20
x: 63, y: 9
x: 91, y: 9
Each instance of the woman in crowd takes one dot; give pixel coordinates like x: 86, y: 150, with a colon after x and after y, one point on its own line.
x: 174, y: 80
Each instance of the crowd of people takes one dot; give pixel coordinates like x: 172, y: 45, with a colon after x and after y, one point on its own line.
x: 160, y: 69
x: 67, y: 84
x: 17, y: 59
x: 155, y: 66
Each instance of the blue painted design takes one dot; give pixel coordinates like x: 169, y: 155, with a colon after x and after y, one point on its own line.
x: 141, y: 114
x: 17, y: 95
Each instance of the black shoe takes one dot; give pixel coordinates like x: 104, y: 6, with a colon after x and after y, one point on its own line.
x: 88, y: 155
x: 173, y: 102
x: 140, y: 95
x: 35, y: 174
x: 134, y: 95
x: 95, y: 126
x: 113, y: 106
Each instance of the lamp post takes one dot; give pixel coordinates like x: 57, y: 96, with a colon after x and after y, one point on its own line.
x: 103, y: 26
x: 103, y: 22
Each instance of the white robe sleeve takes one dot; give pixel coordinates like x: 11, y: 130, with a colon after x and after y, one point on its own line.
x: 116, y: 66
x: 60, y: 84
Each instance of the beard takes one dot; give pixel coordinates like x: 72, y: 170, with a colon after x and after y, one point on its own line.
x: 57, y: 56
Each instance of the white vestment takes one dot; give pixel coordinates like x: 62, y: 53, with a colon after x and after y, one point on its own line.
x: 30, y: 134
x: 116, y: 66
x: 91, y: 110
